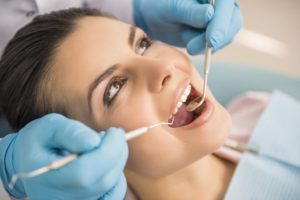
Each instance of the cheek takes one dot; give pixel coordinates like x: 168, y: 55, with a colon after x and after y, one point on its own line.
x: 137, y: 110
x: 155, y: 154
x: 146, y: 152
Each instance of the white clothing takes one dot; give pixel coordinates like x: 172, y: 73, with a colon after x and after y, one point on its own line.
x: 16, y: 13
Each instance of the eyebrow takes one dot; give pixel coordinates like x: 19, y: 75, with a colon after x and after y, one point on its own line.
x: 132, y: 34
x: 98, y: 80
x: 110, y: 70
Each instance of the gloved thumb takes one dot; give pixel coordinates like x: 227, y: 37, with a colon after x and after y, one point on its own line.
x: 191, y: 13
x: 220, y: 25
x: 71, y: 135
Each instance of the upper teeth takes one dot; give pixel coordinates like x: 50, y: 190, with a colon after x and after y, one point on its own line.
x: 183, y: 98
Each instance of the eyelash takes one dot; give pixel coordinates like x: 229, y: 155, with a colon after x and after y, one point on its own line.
x: 118, y: 82
x: 144, y: 42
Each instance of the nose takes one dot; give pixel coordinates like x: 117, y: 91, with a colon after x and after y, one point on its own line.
x: 154, y: 73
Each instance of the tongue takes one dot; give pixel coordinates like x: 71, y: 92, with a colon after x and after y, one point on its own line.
x: 182, y: 117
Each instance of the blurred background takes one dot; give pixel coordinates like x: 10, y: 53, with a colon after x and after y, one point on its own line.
x: 269, y: 38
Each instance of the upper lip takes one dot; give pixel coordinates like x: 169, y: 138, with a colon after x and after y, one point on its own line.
x: 178, y: 94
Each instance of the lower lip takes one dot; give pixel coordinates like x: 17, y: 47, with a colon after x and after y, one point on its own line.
x: 203, y: 118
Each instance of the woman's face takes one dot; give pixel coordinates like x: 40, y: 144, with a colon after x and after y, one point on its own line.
x: 107, y: 73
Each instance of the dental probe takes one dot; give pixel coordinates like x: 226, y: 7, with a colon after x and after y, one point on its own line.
x: 193, y: 105
x: 240, y: 146
x: 69, y: 158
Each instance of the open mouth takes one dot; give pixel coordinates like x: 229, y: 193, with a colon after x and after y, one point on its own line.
x: 180, y: 116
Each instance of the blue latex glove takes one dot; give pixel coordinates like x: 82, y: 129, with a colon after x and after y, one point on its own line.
x: 96, y: 174
x: 189, y: 23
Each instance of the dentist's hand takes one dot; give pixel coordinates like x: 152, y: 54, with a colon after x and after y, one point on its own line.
x: 96, y: 174
x: 189, y: 23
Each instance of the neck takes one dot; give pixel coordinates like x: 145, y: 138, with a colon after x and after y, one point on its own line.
x: 205, y: 179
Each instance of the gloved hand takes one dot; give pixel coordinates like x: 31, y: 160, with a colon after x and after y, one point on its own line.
x: 97, y: 174
x: 189, y: 23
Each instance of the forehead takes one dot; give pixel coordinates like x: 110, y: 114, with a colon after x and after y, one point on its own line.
x: 95, y: 44
x: 94, y: 37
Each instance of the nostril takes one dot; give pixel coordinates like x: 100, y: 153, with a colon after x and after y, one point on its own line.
x: 165, y: 80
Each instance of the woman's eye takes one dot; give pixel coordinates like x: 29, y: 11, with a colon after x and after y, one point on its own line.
x: 113, y: 89
x: 143, y: 44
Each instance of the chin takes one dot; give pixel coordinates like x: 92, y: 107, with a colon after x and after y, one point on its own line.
x: 214, y: 133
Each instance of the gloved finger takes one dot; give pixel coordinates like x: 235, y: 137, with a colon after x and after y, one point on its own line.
x: 190, y: 33
x: 109, y: 157
x: 191, y: 13
x: 112, y: 182
x: 235, y: 26
x: 71, y: 135
x: 111, y: 178
x: 196, y: 45
x: 222, y: 46
x: 118, y: 191
x: 219, y: 25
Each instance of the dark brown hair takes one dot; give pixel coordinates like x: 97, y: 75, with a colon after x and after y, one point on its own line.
x: 25, y: 61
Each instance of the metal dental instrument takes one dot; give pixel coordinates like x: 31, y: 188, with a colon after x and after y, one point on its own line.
x: 69, y: 158
x: 241, y: 147
x: 140, y: 131
x: 193, y: 105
